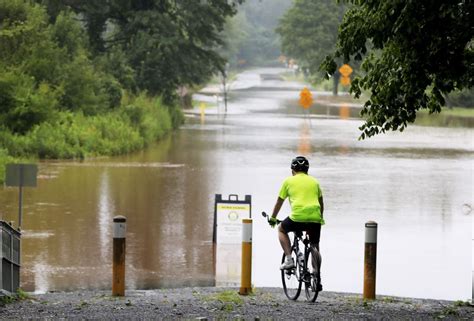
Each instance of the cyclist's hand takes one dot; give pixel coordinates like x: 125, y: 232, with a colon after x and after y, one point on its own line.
x: 272, y: 221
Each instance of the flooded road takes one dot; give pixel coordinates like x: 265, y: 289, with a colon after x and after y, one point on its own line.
x: 417, y: 185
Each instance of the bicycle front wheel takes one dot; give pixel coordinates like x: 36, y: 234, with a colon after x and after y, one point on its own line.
x: 312, y: 279
x: 291, y: 279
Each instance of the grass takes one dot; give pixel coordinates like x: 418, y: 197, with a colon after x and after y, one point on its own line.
x: 227, y: 300
x: 224, y: 297
x: 452, y: 310
x: 20, y: 295
x: 449, y: 117
x: 455, y: 111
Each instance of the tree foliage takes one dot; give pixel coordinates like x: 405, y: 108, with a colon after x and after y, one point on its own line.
x: 164, y: 43
x: 416, y: 53
x: 308, y: 31
x: 80, y: 56
x: 46, y: 67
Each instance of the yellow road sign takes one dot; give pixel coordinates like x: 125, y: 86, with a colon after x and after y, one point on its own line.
x: 345, y: 81
x: 306, y: 98
x: 345, y: 70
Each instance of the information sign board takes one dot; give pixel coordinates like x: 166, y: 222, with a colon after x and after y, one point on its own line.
x: 228, y: 215
x: 229, y: 222
x: 21, y: 175
x: 227, y: 238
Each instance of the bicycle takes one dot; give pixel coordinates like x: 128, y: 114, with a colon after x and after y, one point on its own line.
x: 303, y: 272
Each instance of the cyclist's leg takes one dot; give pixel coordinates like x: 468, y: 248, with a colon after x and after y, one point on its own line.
x: 314, y: 232
x: 286, y: 226
x: 283, y: 230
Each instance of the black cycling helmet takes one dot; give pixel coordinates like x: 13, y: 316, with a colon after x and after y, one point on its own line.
x: 300, y: 164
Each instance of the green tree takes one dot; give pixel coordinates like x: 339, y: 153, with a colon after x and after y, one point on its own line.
x: 420, y: 51
x: 46, y: 67
x: 166, y: 43
x: 308, y: 31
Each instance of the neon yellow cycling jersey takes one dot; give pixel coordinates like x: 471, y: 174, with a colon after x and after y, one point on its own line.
x: 304, y: 193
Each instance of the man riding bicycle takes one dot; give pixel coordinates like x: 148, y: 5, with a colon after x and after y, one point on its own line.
x: 307, y: 207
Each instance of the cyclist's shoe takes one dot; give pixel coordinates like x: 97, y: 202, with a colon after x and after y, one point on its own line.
x: 319, y: 287
x: 288, y: 264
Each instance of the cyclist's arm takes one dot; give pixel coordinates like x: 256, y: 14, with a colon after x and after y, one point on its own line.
x: 321, y: 204
x: 277, y: 207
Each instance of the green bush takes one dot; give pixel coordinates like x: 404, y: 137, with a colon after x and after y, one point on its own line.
x: 69, y: 135
x: 78, y: 136
x: 24, y: 104
x: 4, y: 159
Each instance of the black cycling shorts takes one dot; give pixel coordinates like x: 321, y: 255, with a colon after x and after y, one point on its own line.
x: 312, y: 229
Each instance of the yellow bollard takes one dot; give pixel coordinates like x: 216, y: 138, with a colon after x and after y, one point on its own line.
x: 246, y: 275
x: 202, y: 109
x: 118, y: 266
x: 370, y: 260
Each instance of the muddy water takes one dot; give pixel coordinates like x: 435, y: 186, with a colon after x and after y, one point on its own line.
x: 417, y: 185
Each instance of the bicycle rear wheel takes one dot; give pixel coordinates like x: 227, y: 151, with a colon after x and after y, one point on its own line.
x: 312, y: 282
x: 291, y: 279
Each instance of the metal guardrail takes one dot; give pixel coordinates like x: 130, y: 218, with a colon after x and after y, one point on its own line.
x: 10, y: 258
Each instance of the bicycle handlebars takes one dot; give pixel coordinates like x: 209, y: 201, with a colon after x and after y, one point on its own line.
x: 268, y: 218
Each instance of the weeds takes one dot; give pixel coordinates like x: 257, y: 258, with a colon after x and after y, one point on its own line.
x: 82, y: 305
x: 461, y: 303
x: 225, y: 297
x: 453, y: 309
x: 20, y: 295
x: 227, y: 300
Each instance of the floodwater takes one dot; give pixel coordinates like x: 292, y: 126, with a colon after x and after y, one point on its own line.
x: 417, y: 185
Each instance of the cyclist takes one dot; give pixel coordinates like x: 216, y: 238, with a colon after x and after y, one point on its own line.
x: 307, y: 207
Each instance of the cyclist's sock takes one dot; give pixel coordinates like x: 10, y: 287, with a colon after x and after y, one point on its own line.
x: 289, y: 258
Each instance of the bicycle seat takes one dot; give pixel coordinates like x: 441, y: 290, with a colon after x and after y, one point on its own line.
x: 299, y: 234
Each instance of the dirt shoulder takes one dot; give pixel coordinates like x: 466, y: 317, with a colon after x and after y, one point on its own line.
x: 224, y: 303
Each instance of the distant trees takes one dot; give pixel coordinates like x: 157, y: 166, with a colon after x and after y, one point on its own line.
x: 308, y: 31
x: 250, y: 37
x: 414, y: 53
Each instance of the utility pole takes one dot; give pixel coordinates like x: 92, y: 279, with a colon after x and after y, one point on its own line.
x: 335, y: 77
x: 224, y: 75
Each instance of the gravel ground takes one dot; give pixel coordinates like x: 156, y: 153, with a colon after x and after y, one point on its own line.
x: 224, y: 303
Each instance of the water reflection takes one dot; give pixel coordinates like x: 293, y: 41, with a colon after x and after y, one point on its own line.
x: 105, y: 214
x: 304, y: 145
x: 229, y: 262
x: 344, y: 112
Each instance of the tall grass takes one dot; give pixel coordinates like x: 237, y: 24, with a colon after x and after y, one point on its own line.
x: 138, y: 122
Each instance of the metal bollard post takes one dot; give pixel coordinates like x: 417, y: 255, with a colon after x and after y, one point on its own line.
x: 370, y: 260
x: 118, y: 266
x: 246, y: 276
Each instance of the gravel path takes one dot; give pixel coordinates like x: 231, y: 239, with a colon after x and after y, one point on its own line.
x: 224, y: 303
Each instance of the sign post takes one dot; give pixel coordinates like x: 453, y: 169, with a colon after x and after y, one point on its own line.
x: 21, y: 175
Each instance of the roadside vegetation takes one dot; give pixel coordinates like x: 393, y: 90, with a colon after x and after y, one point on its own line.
x: 20, y: 295
x: 78, y: 79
